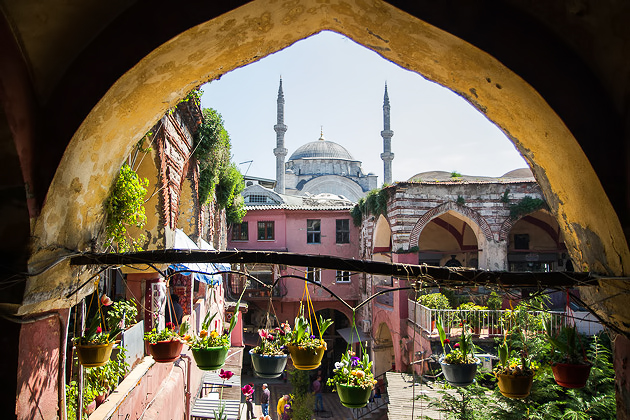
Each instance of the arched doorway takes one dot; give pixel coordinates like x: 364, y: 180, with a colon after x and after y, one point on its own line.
x: 384, y: 356
x: 535, y: 243
x: 449, y: 240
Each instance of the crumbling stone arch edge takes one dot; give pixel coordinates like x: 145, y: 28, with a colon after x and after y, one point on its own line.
x: 72, y: 215
x: 437, y: 211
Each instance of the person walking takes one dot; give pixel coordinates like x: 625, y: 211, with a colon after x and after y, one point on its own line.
x: 281, y: 403
x: 317, y: 390
x: 264, y: 400
x: 249, y: 401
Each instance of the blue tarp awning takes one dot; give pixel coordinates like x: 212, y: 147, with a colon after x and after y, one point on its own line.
x: 203, y: 272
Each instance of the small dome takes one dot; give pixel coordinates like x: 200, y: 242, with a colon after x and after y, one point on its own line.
x: 321, y: 149
x: 519, y: 173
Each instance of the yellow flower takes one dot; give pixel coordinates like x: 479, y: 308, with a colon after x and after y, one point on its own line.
x: 214, y: 334
x: 186, y: 337
x: 203, y: 333
x: 360, y: 374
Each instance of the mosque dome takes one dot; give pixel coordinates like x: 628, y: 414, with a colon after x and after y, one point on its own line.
x: 321, y: 149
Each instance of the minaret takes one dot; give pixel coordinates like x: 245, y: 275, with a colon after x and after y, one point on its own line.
x: 280, y: 151
x: 387, y: 135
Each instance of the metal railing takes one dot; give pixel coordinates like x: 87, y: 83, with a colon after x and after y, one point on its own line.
x: 482, y: 322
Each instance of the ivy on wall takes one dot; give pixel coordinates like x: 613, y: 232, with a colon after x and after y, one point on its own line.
x: 125, y: 208
x: 525, y: 206
x: 218, y: 177
x: 375, y: 202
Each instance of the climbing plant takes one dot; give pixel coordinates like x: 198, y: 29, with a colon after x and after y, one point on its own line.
x: 375, y: 202
x: 217, y: 176
x: 125, y: 208
x: 525, y: 206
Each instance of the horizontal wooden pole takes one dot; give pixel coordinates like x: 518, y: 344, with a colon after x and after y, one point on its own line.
x: 447, y: 276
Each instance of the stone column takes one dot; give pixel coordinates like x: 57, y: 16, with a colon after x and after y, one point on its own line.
x: 280, y: 151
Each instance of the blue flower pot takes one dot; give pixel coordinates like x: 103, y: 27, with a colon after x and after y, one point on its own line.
x: 459, y: 374
x: 268, y: 366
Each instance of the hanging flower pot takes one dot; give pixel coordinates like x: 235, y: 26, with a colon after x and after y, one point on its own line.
x: 571, y: 375
x: 460, y: 374
x: 166, y: 351
x: 353, y: 396
x: 268, y: 366
x: 210, y: 358
x: 513, y: 386
x: 94, y: 355
x: 305, y: 358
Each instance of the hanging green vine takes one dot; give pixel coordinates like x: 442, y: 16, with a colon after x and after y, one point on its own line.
x: 125, y: 208
x: 217, y: 176
x: 375, y: 202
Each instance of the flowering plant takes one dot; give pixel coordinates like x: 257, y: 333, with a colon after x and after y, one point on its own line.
x: 461, y: 353
x: 353, y: 371
x: 514, y: 365
x: 302, y: 336
x: 94, y: 334
x: 206, y: 339
x: 220, y: 413
x: 273, y: 342
x: 169, y: 333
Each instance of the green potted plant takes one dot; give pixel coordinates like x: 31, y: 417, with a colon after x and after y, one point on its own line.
x: 104, y: 378
x: 353, y: 379
x: 166, y: 345
x: 210, y: 348
x: 270, y: 357
x: 570, y: 366
x: 94, y: 347
x: 473, y: 315
x: 122, y: 313
x: 307, y: 350
x: 459, y: 364
x: 436, y: 301
x: 514, y: 372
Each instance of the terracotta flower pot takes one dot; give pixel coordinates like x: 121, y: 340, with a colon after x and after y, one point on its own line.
x: 571, y: 376
x: 94, y: 355
x: 211, y: 358
x: 305, y: 359
x: 166, y: 351
x: 459, y: 374
x: 353, y: 396
x: 268, y: 366
x: 515, y: 386
x: 100, y: 399
x: 89, y: 409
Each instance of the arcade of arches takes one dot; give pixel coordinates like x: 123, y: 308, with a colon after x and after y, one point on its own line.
x: 81, y: 83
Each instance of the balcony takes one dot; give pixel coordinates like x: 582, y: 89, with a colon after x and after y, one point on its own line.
x: 488, y: 322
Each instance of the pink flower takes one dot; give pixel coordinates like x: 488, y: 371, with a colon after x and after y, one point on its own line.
x: 456, y: 345
x: 99, y: 330
x: 270, y: 337
x: 225, y: 374
x: 247, y: 390
x: 263, y: 334
x: 170, y: 326
x: 447, y: 341
x: 106, y: 301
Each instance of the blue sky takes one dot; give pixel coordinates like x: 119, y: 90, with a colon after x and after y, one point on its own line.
x: 330, y: 81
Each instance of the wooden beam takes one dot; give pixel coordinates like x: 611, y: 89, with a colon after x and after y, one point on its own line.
x: 446, y: 276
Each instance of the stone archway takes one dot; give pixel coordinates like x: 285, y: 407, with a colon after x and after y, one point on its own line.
x: 72, y: 215
x: 479, y: 226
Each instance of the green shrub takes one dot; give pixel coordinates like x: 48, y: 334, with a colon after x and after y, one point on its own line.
x: 434, y: 301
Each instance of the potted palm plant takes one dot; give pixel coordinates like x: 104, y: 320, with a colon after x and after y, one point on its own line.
x: 514, y: 373
x: 94, y: 347
x: 306, y: 349
x: 459, y: 364
x: 353, y: 379
x: 570, y: 367
x: 166, y: 345
x: 270, y: 357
